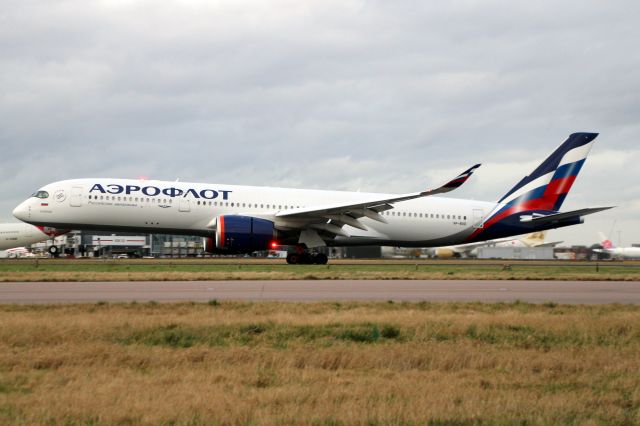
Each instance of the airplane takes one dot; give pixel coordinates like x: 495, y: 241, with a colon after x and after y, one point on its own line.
x: 534, y: 239
x: 617, y: 252
x: 15, y: 252
x: 19, y: 235
x: 244, y: 219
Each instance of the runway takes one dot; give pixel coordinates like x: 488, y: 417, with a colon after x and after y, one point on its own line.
x: 569, y: 292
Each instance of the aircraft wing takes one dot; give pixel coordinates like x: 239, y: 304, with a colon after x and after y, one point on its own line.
x: 371, y: 208
x: 332, y: 217
x: 562, y: 216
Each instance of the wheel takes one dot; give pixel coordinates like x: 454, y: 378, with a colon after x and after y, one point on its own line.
x: 54, y: 251
x: 292, y: 258
x: 320, y: 259
x: 306, y: 259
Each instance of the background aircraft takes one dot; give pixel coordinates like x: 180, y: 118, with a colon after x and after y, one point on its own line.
x: 617, y: 252
x: 243, y: 219
x: 17, y: 236
x: 534, y: 239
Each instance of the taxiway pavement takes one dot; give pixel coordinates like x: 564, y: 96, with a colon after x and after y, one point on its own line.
x: 573, y: 292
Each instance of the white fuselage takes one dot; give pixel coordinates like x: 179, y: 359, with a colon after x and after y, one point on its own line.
x: 14, y: 235
x: 189, y: 208
x: 624, y: 252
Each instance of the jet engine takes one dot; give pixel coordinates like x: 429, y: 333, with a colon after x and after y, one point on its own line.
x: 240, y: 234
x: 446, y: 253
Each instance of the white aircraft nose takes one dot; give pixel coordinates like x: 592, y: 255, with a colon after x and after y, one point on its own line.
x: 21, y: 212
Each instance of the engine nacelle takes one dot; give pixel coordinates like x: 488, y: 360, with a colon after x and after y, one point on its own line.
x: 209, y: 245
x: 240, y: 234
x: 446, y: 253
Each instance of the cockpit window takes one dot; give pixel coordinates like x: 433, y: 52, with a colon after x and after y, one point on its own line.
x: 41, y: 194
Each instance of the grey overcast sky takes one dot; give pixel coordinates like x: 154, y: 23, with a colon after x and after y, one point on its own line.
x: 379, y: 96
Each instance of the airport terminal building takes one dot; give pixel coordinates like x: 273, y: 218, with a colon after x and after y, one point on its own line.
x: 105, y: 244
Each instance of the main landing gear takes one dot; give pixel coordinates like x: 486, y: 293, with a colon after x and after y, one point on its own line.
x: 304, y: 257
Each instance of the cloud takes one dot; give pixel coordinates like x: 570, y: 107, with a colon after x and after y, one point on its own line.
x: 369, y: 95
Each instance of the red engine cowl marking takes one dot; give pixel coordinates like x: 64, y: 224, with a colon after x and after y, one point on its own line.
x: 220, y: 233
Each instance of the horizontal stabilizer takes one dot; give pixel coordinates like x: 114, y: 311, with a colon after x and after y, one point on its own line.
x: 538, y: 220
x: 549, y: 244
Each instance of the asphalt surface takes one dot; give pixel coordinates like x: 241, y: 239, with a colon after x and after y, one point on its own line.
x: 573, y: 292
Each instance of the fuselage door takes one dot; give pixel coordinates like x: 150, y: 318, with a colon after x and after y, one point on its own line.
x: 478, y: 215
x: 184, y: 205
x: 76, y: 196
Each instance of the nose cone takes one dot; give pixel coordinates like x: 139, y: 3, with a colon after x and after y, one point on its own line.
x: 22, y: 212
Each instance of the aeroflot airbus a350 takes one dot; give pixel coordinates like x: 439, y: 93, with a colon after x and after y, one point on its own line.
x: 242, y: 219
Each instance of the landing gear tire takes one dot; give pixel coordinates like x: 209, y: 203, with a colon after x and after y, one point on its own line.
x: 320, y: 259
x: 306, y: 258
x: 54, y: 251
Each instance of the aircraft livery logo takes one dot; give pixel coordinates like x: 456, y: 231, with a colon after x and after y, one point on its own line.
x: 152, y: 191
x: 60, y: 195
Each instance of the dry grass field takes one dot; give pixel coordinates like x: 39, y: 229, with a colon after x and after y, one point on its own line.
x: 274, y: 269
x: 320, y: 363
